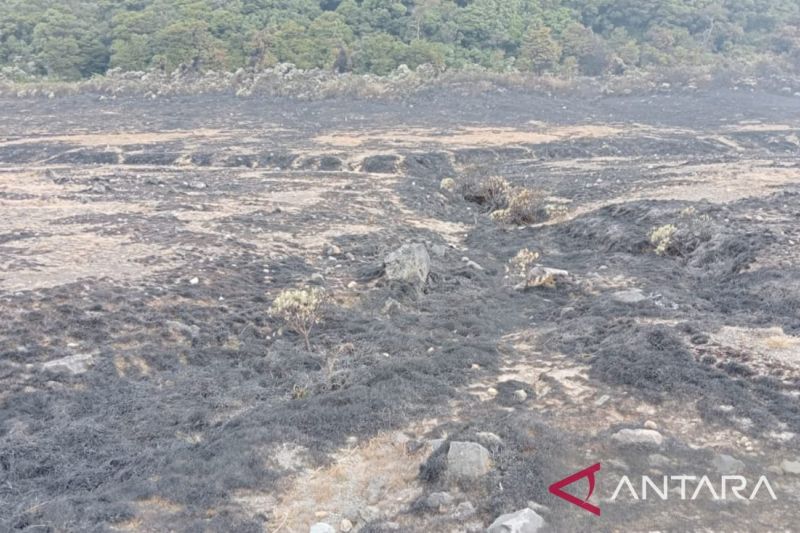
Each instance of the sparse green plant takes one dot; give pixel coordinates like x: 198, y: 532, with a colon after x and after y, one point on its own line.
x: 661, y: 238
x: 300, y: 309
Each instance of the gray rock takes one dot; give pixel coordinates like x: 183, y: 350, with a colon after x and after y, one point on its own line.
x: 538, y: 507
x: 464, y: 510
x: 438, y: 250
x: 791, y: 467
x: 629, y: 296
x: 658, y: 460
x: 647, y: 437
x: 470, y: 263
x: 524, y: 521
x: 520, y: 395
x: 331, y: 249
x: 317, y: 278
x: 439, y: 499
x: 410, y: 263
x: 322, y: 527
x: 727, y: 465
x: 74, y: 364
x: 468, y: 460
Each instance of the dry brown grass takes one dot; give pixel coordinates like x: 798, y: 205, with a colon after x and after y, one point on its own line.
x: 525, y: 206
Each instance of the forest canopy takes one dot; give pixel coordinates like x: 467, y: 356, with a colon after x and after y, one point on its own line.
x: 74, y: 39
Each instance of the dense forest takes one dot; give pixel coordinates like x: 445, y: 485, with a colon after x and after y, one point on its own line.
x: 73, y: 39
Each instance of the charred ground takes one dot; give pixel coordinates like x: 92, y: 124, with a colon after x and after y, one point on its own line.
x: 145, y: 240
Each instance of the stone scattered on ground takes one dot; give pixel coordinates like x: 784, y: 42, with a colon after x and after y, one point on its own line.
x: 468, y: 460
x: 540, y: 276
x: 464, y: 510
x: 437, y: 500
x: 470, y: 263
x: 647, y: 437
x: 410, y: 263
x: 322, y: 527
x: 74, y: 364
x: 331, y: 250
x: 791, y: 467
x: 438, y: 250
x: 658, y: 460
x: 524, y: 521
x: 629, y: 296
x: 727, y: 465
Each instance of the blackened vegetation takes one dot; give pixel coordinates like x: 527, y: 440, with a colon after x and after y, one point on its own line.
x: 191, y: 389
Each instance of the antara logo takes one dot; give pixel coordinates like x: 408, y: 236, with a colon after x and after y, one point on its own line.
x: 730, y: 487
x: 588, y: 473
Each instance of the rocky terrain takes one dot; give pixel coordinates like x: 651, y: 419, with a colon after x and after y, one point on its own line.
x: 641, y: 312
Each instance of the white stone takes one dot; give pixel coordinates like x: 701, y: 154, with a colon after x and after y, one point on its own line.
x: 524, y: 521
x: 648, y: 437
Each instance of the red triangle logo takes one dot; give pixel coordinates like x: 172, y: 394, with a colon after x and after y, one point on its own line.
x: 589, y: 473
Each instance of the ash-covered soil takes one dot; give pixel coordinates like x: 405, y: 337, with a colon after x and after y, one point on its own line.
x: 144, y: 385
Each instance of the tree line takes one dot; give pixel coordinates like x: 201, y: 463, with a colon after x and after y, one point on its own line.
x: 73, y: 39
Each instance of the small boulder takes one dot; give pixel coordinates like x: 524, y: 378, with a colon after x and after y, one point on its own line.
x: 646, y: 437
x: 331, y: 250
x: 524, y: 521
x: 409, y: 263
x: 727, y: 465
x: 74, y: 364
x: 468, y: 460
x: 437, y: 500
x: 322, y: 527
x: 629, y: 296
x: 791, y: 467
x: 463, y: 511
x: 438, y: 250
